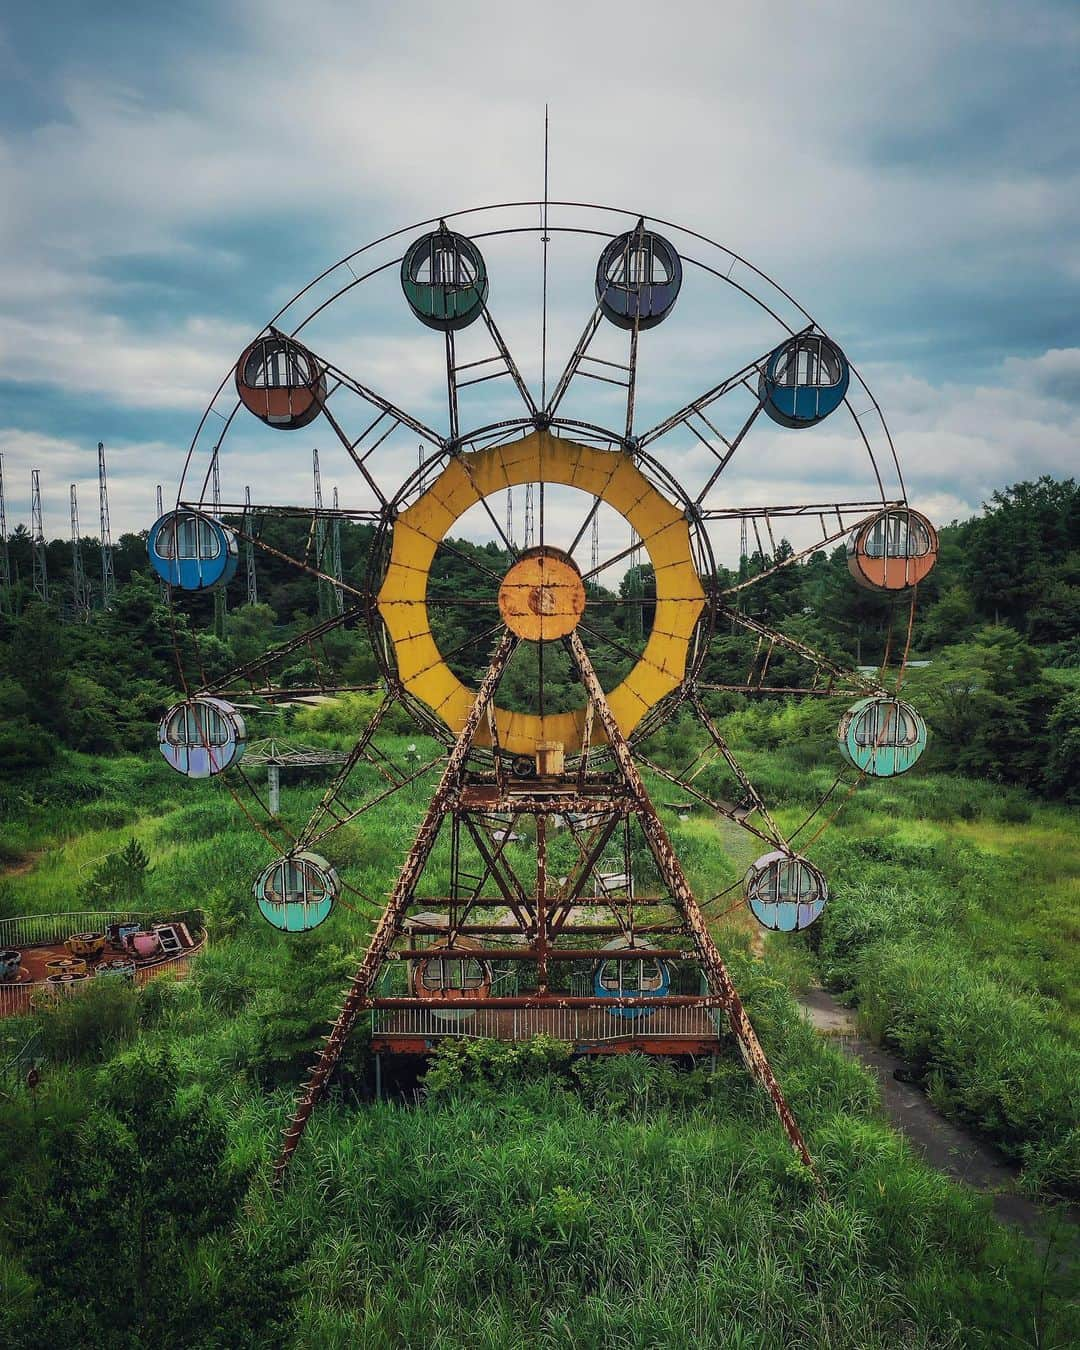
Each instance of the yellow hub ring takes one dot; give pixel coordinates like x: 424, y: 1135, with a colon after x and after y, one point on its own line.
x: 541, y: 457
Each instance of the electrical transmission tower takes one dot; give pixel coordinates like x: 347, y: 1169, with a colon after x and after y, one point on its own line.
x: 80, y: 587
x: 5, y: 558
x: 528, y: 515
x: 249, y: 551
x: 338, y: 596
x: 160, y: 512
x: 634, y: 588
x: 595, y: 541
x: 220, y: 600
x: 510, y: 515
x: 37, y: 538
x: 108, y: 576
x: 325, y: 598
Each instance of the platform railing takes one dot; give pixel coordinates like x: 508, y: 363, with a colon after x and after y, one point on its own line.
x: 575, y: 1025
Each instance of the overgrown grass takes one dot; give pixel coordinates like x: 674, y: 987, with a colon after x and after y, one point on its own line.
x: 953, y: 925
x: 614, y: 1204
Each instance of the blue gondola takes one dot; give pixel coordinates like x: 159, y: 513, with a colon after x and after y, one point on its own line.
x: 638, y: 279
x: 297, y: 891
x: 785, y: 893
x: 647, y: 976
x: 202, y: 736
x: 804, y: 380
x: 191, y: 551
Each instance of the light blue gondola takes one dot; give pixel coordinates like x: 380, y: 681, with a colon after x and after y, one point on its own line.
x: 785, y: 893
x: 297, y: 891
x: 881, y: 736
x: 646, y: 977
x: 804, y: 380
x: 202, y: 736
x: 191, y: 551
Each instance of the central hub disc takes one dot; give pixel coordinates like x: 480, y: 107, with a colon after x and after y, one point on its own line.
x: 542, y: 596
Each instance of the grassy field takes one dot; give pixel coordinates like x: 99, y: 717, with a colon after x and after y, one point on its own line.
x: 526, y: 1202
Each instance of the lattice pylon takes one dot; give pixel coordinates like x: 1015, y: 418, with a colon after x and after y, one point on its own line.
x: 445, y: 804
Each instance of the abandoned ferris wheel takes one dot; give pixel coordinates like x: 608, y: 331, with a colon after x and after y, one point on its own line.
x: 559, y: 905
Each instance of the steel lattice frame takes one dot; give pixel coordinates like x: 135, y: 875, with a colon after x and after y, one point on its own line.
x: 370, y: 426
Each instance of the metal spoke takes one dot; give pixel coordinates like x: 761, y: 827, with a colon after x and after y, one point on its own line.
x: 816, y: 658
x: 511, y: 364
x: 795, y: 558
x: 572, y: 365
x: 710, y: 396
x: 251, y: 668
x: 370, y: 396
x: 465, y: 557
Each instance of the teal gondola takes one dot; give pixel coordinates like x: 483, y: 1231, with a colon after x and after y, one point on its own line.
x: 881, y: 736
x: 297, y: 892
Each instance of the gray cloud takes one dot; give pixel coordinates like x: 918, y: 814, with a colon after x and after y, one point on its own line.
x: 905, y: 173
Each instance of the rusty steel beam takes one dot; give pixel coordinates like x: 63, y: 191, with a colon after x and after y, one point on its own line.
x: 550, y: 1000
x: 574, y: 930
x: 532, y: 953
x: 390, y: 923
x: 815, y: 658
x: 670, y: 870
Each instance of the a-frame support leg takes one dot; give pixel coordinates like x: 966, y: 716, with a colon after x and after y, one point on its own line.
x: 389, y: 924
x: 666, y: 860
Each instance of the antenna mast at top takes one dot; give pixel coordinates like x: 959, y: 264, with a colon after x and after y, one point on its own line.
x: 108, y: 577
x: 80, y: 588
x: 37, y: 538
x: 545, y: 239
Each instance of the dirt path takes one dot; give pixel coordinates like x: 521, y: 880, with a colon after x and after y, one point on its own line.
x: 25, y: 864
x: 945, y: 1146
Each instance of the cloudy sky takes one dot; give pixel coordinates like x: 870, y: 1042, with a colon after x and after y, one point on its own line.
x: 171, y: 174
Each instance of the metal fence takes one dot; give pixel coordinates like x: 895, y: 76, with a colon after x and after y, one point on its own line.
x: 36, y: 930
x: 32, y: 930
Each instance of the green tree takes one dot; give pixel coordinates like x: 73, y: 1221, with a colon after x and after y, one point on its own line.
x: 119, y: 880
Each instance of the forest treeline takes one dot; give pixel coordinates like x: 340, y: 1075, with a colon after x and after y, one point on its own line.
x: 998, y: 619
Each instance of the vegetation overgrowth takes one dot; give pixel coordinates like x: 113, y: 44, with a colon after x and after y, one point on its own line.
x: 519, y: 1197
